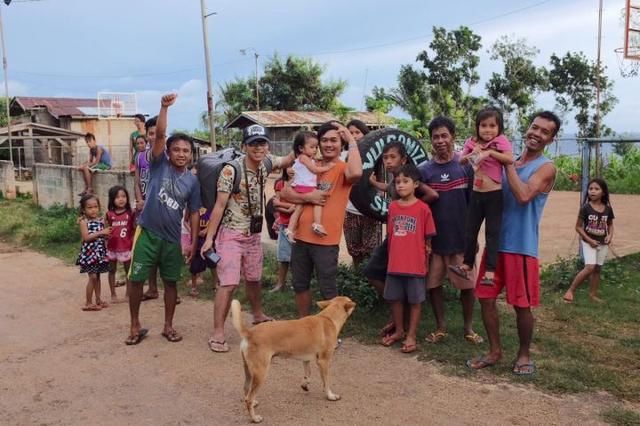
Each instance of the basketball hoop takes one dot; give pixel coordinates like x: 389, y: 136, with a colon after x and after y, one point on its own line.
x: 628, y: 67
x: 116, y: 105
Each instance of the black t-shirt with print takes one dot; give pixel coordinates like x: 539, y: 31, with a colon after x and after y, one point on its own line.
x: 595, y: 223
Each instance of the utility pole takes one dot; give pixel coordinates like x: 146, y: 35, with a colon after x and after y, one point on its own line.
x: 598, y: 71
x: 255, y: 55
x: 207, y: 61
x: 6, y: 85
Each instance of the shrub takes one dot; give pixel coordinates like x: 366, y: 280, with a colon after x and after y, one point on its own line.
x: 354, y: 284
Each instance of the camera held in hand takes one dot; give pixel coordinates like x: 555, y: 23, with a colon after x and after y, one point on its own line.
x: 255, y: 226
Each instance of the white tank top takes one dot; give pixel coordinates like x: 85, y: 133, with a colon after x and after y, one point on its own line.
x: 303, y: 176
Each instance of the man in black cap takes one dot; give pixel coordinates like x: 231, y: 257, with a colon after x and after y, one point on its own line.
x: 236, y: 223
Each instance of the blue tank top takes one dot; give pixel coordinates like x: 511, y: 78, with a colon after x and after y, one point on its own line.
x: 519, y: 233
x: 105, y: 159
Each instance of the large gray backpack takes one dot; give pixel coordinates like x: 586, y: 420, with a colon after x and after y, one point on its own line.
x: 209, y: 167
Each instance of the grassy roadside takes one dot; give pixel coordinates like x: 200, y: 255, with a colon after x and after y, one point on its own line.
x: 578, y: 348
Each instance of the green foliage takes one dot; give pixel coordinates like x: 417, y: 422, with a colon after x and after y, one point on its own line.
x: 54, y: 230
x: 559, y: 275
x: 379, y: 101
x: 569, y: 170
x: 354, y: 284
x: 515, y: 90
x: 574, y: 78
x: 292, y: 84
x: 619, y: 416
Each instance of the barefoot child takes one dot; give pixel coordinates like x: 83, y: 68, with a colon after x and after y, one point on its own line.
x: 595, y: 227
x: 121, y: 220
x: 93, y: 252
x: 410, y: 227
x: 305, y: 179
x: 488, y: 151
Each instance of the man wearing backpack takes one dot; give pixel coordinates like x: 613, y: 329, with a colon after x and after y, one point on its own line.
x: 236, y: 223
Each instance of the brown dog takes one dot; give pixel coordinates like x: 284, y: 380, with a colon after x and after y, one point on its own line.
x: 307, y: 339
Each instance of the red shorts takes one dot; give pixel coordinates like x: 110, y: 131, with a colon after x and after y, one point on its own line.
x: 304, y: 189
x: 519, y: 273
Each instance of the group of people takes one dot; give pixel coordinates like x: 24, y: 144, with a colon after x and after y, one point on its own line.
x: 432, y: 226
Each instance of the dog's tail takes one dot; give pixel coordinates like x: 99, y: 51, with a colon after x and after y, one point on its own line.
x: 236, y: 317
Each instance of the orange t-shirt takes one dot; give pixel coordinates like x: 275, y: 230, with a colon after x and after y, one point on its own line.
x: 333, y: 211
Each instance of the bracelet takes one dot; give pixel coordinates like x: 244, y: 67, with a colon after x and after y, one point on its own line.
x: 353, y: 145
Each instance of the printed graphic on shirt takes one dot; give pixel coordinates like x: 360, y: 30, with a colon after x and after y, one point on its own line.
x: 404, y: 225
x: 164, y: 196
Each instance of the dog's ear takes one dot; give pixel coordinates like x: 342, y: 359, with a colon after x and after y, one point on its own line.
x: 349, y: 306
x: 323, y: 303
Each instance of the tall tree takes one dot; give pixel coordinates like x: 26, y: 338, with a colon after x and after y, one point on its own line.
x: 237, y: 96
x: 515, y: 90
x: 573, y: 79
x: 412, y: 96
x: 291, y: 84
x: 451, y: 67
x: 379, y: 101
x: 296, y: 84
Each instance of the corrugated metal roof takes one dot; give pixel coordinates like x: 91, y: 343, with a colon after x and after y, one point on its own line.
x: 301, y: 118
x: 59, y: 107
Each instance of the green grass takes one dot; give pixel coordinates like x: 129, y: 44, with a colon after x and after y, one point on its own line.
x: 619, y: 416
x: 581, y: 347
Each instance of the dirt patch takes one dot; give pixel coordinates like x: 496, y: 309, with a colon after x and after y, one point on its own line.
x: 60, y: 365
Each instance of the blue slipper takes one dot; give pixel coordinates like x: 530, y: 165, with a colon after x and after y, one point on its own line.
x: 525, y: 369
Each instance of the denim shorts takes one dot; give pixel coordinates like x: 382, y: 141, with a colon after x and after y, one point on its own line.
x: 283, y: 246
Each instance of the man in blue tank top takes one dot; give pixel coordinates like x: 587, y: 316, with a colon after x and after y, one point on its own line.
x: 529, y: 182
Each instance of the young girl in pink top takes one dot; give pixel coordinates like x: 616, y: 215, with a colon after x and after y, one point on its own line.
x: 487, y: 152
x: 305, y: 148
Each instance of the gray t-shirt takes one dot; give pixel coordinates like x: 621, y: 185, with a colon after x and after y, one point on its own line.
x: 168, y: 194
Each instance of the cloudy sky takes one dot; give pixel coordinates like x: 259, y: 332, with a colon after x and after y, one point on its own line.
x: 76, y: 48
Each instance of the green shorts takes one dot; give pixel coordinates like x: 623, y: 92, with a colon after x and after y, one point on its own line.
x: 151, y: 250
x: 100, y: 166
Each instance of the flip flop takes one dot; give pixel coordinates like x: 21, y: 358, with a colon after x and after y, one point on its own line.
x: 266, y: 319
x: 146, y: 296
x: 474, y: 338
x: 457, y: 269
x: 407, y: 349
x: 172, y: 336
x: 389, y: 328
x: 92, y: 308
x: 389, y: 340
x: 525, y: 369
x: 134, y: 340
x: 219, y: 347
x: 436, y: 336
x: 481, y: 362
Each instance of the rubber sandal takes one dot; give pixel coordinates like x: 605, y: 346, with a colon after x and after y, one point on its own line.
x: 219, y: 347
x: 436, y: 336
x: 92, y: 308
x: 289, y: 234
x: 407, y: 349
x: 480, y: 362
x: 134, y: 340
x: 319, y: 229
x: 526, y: 369
x: 474, y: 338
x: 265, y: 319
x: 390, y: 341
x: 146, y: 296
x: 389, y: 328
x: 172, y: 336
x: 457, y: 269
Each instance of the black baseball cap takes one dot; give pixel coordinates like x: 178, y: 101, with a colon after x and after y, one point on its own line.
x: 255, y: 133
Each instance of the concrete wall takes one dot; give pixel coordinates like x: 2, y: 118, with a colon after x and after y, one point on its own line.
x: 61, y: 184
x: 112, y: 134
x: 8, y: 180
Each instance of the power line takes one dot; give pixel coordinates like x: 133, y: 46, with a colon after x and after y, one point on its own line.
x: 429, y: 36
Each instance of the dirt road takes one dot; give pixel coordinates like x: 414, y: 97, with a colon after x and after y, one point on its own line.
x: 60, y: 365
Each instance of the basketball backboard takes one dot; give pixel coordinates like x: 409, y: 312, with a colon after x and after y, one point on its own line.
x: 632, y: 30
x: 116, y: 105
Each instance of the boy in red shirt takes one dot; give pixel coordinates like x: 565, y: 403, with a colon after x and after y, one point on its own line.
x: 410, y: 227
